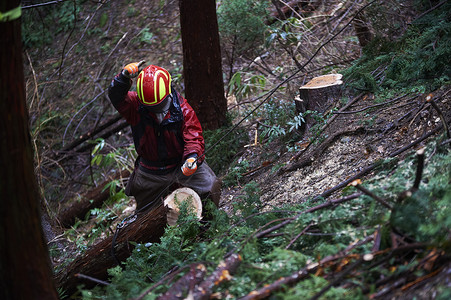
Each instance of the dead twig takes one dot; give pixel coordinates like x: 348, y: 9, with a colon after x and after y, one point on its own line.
x: 299, y: 235
x: 373, y: 106
x: 350, y: 103
x: 430, y: 100
x: 95, y: 280
x: 357, y: 184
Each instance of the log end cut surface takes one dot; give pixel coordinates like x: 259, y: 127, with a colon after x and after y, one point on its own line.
x: 323, y: 81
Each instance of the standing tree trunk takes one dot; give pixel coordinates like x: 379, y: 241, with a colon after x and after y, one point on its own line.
x: 202, y: 69
x: 24, y: 261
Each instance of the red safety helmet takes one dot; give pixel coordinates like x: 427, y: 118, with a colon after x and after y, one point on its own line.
x: 153, y: 85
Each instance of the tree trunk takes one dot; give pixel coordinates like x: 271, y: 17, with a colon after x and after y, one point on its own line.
x: 362, y: 30
x: 148, y: 227
x: 202, y: 69
x: 24, y: 264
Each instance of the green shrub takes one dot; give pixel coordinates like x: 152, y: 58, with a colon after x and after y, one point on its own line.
x: 422, y: 56
x: 242, y: 23
x: 222, y: 146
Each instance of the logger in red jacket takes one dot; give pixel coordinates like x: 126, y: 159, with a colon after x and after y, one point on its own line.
x: 167, y: 136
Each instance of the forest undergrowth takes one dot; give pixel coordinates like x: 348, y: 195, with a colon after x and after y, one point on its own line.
x: 383, y: 234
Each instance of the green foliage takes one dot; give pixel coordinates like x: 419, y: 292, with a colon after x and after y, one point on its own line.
x: 306, y: 289
x: 249, y: 203
x: 146, y: 36
x: 121, y: 158
x: 235, y: 172
x: 223, y: 145
x: 289, y: 32
x: 279, y: 120
x: 39, y: 28
x: 243, y: 85
x: 425, y: 217
x: 242, y: 23
x: 422, y: 57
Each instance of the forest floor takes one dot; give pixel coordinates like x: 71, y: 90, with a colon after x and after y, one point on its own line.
x: 362, y: 135
x: 358, y: 137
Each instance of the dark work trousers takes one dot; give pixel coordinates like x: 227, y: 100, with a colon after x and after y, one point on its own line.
x: 149, y: 190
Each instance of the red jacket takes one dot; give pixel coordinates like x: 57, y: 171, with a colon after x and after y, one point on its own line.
x: 161, y: 147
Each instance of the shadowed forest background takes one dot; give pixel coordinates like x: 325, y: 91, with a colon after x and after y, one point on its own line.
x: 342, y: 196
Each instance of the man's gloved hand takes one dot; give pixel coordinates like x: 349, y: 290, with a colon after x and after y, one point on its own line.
x: 189, y: 167
x: 132, y: 70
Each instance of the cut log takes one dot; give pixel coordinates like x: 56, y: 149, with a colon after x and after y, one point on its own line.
x: 177, y: 198
x: 148, y: 227
x: 319, y: 93
x: 92, y: 199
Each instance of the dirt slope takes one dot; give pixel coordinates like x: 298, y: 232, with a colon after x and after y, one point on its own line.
x: 363, y: 136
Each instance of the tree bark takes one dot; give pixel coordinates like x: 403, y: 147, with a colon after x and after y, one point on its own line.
x: 202, y: 68
x: 362, y: 30
x: 92, y: 199
x: 319, y: 93
x: 148, y: 227
x: 24, y: 264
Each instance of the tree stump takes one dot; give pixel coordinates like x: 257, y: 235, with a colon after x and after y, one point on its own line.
x: 318, y: 94
x: 175, y: 200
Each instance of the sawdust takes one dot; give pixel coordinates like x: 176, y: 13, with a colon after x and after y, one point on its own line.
x: 386, y: 130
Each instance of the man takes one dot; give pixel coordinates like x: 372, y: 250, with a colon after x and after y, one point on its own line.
x: 167, y: 137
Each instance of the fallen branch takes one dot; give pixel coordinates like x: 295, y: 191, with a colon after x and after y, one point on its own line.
x: 318, y: 151
x: 419, y: 171
x: 312, y: 268
x: 221, y: 274
x: 298, y: 276
x: 338, y: 279
x: 91, y: 134
x: 185, y: 284
x: 327, y: 125
x: 357, y: 185
x: 92, y: 199
x: 430, y: 99
x: 310, y: 210
x: 105, y: 135
x: 373, y: 106
x: 370, y: 168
